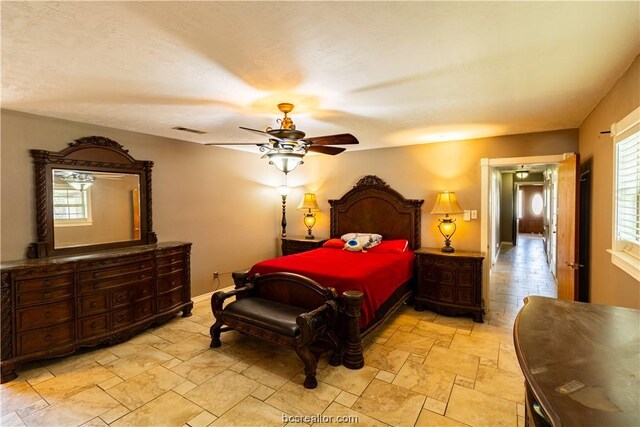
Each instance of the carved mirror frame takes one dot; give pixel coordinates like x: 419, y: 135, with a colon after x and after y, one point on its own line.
x: 93, y: 153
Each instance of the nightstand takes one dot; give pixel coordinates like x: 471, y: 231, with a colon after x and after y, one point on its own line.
x: 450, y: 283
x: 296, y: 244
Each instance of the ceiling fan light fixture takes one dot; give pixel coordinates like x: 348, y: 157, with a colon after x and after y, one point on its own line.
x: 79, y: 181
x: 285, y: 161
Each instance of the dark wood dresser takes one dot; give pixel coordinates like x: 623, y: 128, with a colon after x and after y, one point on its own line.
x: 53, y: 306
x: 581, y: 363
x: 450, y: 283
x: 296, y: 244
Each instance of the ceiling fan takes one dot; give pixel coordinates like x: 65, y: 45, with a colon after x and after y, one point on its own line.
x: 288, y: 145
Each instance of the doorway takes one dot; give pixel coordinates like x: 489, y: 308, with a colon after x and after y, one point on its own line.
x: 527, y: 255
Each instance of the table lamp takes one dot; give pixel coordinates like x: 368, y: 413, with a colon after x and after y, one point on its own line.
x: 447, y: 203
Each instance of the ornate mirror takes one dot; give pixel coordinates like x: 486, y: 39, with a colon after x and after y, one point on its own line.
x: 91, y: 196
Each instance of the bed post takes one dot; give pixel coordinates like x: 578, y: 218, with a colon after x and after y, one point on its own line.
x: 352, y: 357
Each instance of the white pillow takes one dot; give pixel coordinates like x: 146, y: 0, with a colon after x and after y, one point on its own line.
x: 367, y: 240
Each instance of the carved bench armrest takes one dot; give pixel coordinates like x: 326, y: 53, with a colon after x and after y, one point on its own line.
x: 312, y: 321
x: 240, y: 277
x: 217, y: 299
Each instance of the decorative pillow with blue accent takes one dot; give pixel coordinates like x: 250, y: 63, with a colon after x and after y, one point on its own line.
x: 354, y: 246
x: 367, y: 240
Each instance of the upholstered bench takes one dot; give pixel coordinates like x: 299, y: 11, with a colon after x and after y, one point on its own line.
x: 284, y: 308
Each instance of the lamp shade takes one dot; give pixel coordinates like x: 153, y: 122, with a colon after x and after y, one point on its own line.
x: 283, y: 190
x: 522, y: 173
x: 309, y: 203
x: 446, y: 203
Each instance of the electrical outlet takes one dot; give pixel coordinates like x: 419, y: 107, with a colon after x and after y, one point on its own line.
x: 474, y: 214
x: 216, y: 275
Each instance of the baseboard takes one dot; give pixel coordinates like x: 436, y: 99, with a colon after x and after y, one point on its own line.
x: 207, y: 296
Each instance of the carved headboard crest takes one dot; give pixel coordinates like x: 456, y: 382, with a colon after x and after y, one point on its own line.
x: 373, y: 206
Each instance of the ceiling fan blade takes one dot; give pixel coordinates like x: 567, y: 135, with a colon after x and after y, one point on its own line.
x: 235, y: 143
x: 325, y: 149
x: 261, y: 133
x: 340, y: 139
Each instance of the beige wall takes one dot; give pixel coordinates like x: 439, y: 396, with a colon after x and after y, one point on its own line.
x: 221, y: 200
x: 609, y: 284
x: 421, y: 171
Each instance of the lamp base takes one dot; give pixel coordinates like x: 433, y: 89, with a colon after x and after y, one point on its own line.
x: 447, y: 249
x: 309, y: 236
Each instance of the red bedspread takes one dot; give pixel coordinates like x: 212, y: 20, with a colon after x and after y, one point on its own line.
x: 377, y: 275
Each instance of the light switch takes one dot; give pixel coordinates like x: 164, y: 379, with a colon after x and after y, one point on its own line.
x: 467, y: 215
x: 474, y: 214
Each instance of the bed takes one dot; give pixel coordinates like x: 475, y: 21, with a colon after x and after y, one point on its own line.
x: 371, y: 285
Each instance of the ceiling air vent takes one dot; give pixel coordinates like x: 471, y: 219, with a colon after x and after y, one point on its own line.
x: 184, y: 129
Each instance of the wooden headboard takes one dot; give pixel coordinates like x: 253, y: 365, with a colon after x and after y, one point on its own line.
x: 371, y: 206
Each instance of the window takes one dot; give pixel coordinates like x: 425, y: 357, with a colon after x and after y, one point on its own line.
x: 71, y: 207
x: 536, y: 204
x: 625, y: 251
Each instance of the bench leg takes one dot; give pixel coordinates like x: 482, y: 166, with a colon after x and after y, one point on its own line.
x: 310, y: 364
x: 215, y: 334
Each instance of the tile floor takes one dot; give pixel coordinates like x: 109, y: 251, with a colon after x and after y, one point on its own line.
x: 421, y: 369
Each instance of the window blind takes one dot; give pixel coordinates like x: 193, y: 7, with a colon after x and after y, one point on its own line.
x: 628, y: 189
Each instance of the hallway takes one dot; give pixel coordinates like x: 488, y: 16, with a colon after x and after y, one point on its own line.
x: 521, y: 270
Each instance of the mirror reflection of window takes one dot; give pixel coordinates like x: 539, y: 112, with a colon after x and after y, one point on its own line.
x: 71, y: 206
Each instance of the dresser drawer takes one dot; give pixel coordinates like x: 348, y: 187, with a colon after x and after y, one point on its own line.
x: 446, y: 293
x: 94, y: 325
x: 169, y: 282
x: 170, y: 300
x: 163, y: 253
x: 44, y: 283
x: 45, y: 295
x: 142, y: 310
x: 121, y: 317
x: 142, y: 290
x: 447, y: 262
x: 464, y: 297
x: 93, y: 304
x: 128, y: 279
x: 45, y: 338
x: 170, y: 268
x: 114, y: 262
x: 44, y: 315
x: 170, y: 259
x: 115, y: 271
x: 44, y: 271
x: 121, y: 297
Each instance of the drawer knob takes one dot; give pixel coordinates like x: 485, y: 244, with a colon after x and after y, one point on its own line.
x: 48, y: 338
x: 142, y: 266
x: 93, y: 304
x: 47, y: 295
x: 142, y: 276
x: 47, y: 315
x: 96, y: 274
x: 96, y: 285
x: 173, y: 283
x: 47, y: 283
x: 121, y: 317
x: 120, y: 297
x: 94, y: 325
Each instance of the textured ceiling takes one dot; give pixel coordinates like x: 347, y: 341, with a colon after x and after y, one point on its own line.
x: 391, y: 73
